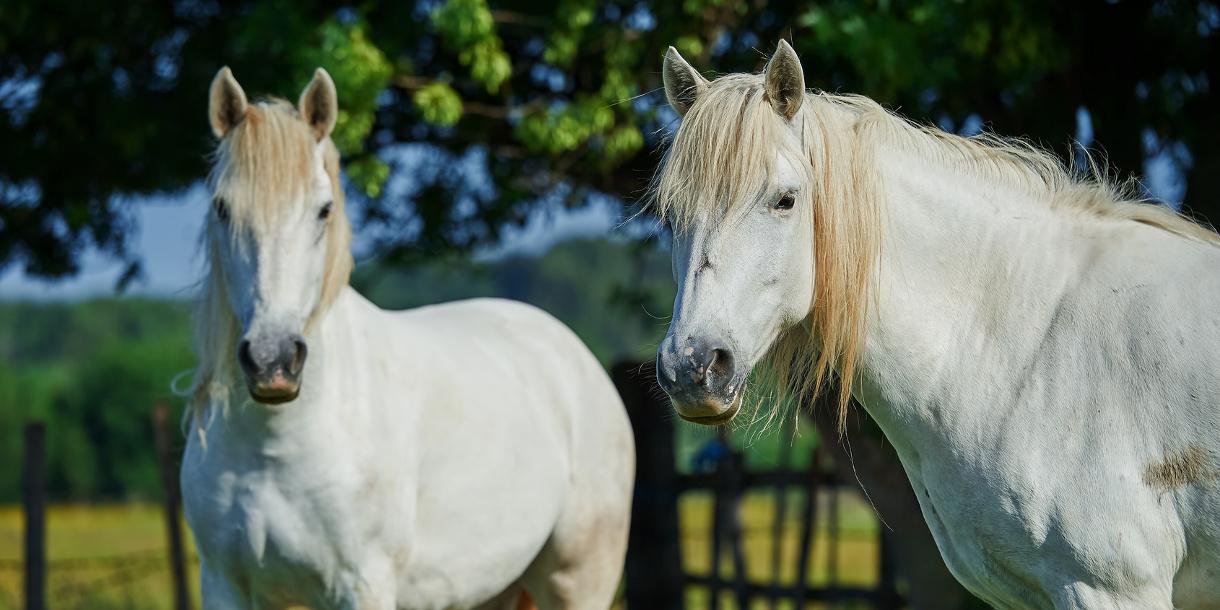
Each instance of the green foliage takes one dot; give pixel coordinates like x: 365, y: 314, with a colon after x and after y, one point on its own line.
x: 938, y: 38
x: 572, y: 18
x: 464, y: 23
x: 369, y: 174
x: 467, y: 27
x: 361, y: 72
x: 93, y: 372
x: 563, y: 129
x: 623, y: 142
x: 439, y: 104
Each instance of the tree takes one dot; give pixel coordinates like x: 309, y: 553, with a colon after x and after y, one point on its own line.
x: 1141, y: 69
x: 508, y: 105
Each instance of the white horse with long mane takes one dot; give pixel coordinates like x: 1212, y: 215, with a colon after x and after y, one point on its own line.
x: 446, y: 457
x: 1043, y: 352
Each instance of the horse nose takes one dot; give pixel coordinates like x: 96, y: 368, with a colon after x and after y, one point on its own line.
x: 298, y: 351
x: 273, y: 368
x: 287, y: 355
x: 695, y: 368
x: 719, y: 367
x: 246, y: 359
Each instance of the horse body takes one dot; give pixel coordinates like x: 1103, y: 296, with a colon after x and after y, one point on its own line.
x: 448, y: 457
x: 1056, y: 407
x: 400, y: 467
x: 1040, y: 352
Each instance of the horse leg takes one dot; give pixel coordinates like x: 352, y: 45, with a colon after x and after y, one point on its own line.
x: 580, y: 567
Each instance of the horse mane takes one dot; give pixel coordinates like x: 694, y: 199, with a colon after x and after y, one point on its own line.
x: 721, y: 157
x: 261, y: 166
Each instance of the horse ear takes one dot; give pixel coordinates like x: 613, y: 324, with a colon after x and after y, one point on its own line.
x: 226, y: 103
x: 683, y: 84
x: 785, y: 81
x: 319, y: 104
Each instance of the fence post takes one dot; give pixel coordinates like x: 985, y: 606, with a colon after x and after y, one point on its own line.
x: 173, y: 521
x: 34, y: 497
x: 809, y: 522
x: 654, y: 560
x: 733, y: 491
x: 888, y: 581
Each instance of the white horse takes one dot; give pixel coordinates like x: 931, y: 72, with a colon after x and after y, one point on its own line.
x: 446, y: 457
x: 1043, y: 354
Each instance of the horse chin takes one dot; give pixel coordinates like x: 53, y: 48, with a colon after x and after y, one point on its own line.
x: 724, y: 416
x: 277, y: 397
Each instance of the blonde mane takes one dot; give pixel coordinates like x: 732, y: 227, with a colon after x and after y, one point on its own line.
x: 721, y: 158
x: 261, y: 166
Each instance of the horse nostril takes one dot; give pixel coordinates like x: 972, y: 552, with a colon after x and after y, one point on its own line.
x: 246, y: 359
x: 298, y: 356
x: 721, y: 363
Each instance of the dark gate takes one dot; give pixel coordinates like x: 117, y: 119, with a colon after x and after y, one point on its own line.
x: 655, y: 578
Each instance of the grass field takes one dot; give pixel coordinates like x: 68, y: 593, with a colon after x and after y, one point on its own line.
x: 113, y: 557
x: 116, y: 552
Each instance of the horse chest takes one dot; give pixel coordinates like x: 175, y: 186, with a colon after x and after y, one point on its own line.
x: 265, y: 520
x: 994, y: 548
x: 294, y: 533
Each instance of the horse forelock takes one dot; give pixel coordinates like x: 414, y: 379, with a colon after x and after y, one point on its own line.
x: 263, y: 165
x: 721, y: 156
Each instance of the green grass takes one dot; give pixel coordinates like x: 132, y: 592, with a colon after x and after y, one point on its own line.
x: 137, y: 531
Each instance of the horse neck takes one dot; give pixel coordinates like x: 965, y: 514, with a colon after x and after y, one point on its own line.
x: 969, y: 269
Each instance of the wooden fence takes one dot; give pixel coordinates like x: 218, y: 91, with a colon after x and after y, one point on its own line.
x: 120, y: 571
x: 655, y: 577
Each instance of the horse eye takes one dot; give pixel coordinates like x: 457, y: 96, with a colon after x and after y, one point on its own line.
x: 222, y: 210
x: 325, y: 213
x: 786, y: 202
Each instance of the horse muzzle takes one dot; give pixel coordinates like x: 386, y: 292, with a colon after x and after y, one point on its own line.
x: 701, y: 379
x: 273, y: 369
